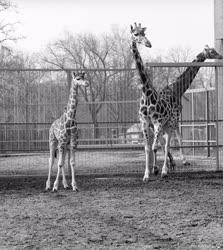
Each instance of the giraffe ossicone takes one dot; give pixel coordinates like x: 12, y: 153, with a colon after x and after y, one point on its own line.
x: 63, y: 136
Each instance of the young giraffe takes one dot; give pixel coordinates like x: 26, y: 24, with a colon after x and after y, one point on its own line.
x: 174, y: 91
x: 63, y: 135
x: 154, y: 112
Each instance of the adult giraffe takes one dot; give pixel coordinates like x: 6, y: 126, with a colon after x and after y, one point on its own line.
x: 154, y: 113
x: 63, y: 135
x: 174, y: 91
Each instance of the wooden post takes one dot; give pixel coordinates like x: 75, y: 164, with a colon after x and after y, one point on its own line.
x: 218, y: 32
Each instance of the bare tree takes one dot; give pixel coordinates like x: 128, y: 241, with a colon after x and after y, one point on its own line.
x: 121, y: 87
x: 164, y: 76
x: 7, y: 28
x: 84, y: 52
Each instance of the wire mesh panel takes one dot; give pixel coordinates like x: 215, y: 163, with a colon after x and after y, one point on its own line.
x: 30, y: 101
x: 109, y: 133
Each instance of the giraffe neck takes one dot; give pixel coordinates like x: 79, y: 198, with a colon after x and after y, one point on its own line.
x: 72, y: 103
x: 184, y: 81
x: 139, y: 63
x: 146, y: 81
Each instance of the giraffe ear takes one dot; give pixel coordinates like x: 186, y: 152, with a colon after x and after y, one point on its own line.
x: 74, y: 74
x: 143, y: 29
x: 206, y: 48
x: 131, y: 28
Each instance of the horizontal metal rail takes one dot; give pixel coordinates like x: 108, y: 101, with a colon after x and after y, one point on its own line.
x: 198, y: 124
x: 199, y: 141
x: 210, y: 123
x: 151, y: 64
x: 103, y: 147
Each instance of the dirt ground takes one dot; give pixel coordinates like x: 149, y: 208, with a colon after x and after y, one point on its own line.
x: 115, y: 211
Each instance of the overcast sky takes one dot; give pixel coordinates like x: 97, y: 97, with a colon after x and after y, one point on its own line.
x: 170, y: 23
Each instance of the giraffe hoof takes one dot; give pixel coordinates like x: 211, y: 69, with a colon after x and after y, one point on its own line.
x: 54, y: 190
x: 145, y: 179
x: 75, y: 189
x: 164, y: 175
x: 172, y: 167
x: 47, y: 186
x: 155, y: 170
x: 186, y: 163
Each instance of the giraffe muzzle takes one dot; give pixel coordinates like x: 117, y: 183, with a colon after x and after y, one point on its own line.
x: 148, y: 44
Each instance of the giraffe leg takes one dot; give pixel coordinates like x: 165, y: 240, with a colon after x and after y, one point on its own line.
x: 171, y: 159
x: 64, y: 181
x: 51, y: 162
x: 145, y: 130
x: 68, y: 163
x: 72, y: 165
x: 179, y: 138
x: 155, y: 167
x: 60, y: 165
x: 147, y: 170
x: 73, y: 146
x: 172, y: 162
x: 167, y: 137
x: 154, y: 149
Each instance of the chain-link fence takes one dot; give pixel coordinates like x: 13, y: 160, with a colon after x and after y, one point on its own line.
x: 107, y: 113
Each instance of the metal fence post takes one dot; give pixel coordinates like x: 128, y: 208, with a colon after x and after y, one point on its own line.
x: 193, y: 127
x: 27, y: 107
x: 217, y: 129
x: 69, y: 80
x: 207, y: 124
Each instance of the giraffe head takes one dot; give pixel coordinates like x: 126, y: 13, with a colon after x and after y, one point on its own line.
x: 138, y: 35
x: 79, y: 79
x: 211, y: 53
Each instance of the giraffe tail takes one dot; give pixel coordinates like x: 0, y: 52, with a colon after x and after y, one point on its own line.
x: 55, y: 154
